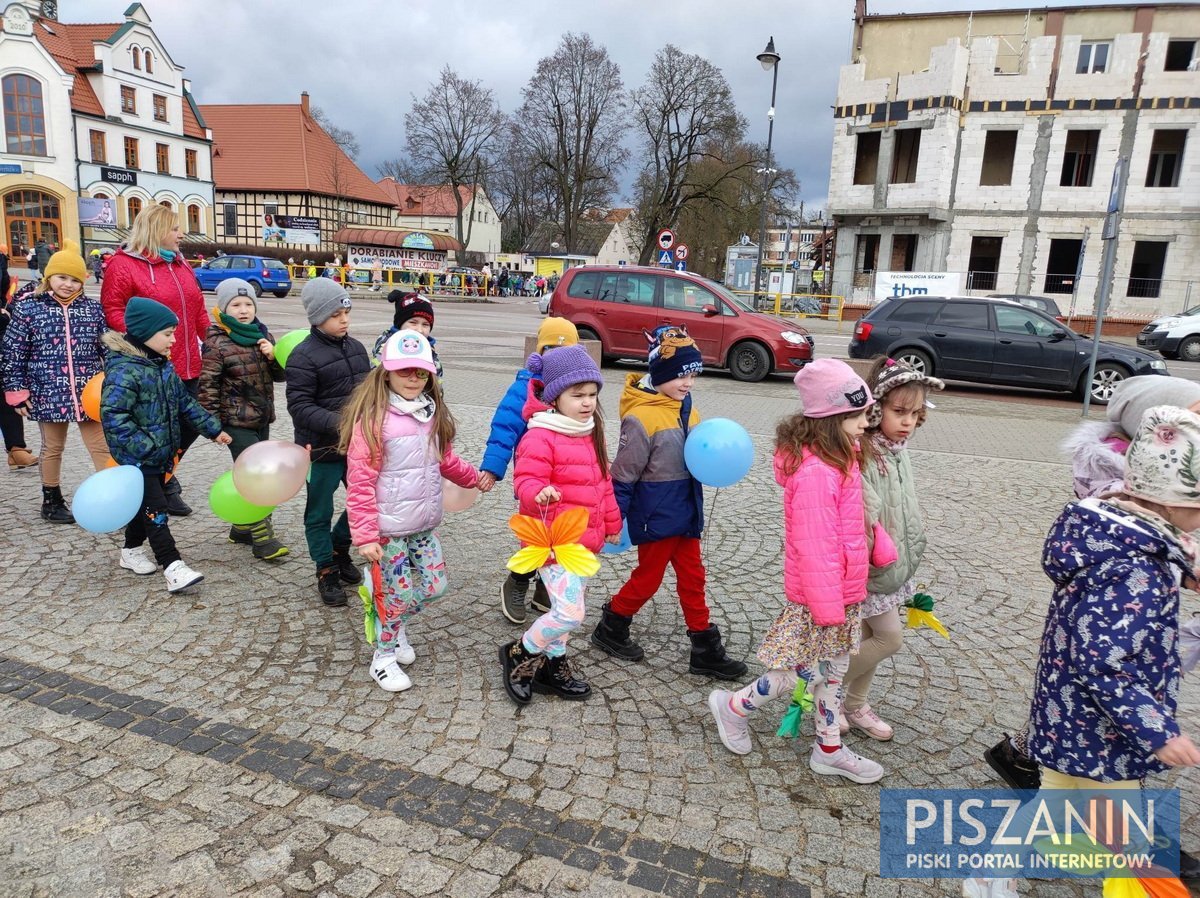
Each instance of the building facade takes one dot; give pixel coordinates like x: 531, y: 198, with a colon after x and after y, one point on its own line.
x: 992, y: 153
x: 99, y: 111
x: 431, y: 208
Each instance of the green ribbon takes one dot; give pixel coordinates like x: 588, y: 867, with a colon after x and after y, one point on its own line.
x: 921, y: 602
x: 802, y: 703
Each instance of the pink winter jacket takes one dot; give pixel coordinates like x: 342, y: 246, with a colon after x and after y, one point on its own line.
x: 825, y: 549
x: 400, y: 493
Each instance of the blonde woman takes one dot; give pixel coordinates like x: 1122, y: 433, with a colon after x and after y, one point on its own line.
x: 150, y: 265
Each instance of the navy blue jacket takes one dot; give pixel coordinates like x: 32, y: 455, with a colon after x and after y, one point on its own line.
x: 322, y: 372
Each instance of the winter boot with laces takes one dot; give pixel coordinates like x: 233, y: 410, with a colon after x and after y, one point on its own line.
x: 555, y: 677
x: 176, y: 507
x: 709, y: 658
x: 266, y: 546
x: 329, y: 584
x: 512, y: 598
x: 612, y: 635
x: 345, y: 566
x: 519, y: 666
x: 540, y: 601
x: 54, y: 506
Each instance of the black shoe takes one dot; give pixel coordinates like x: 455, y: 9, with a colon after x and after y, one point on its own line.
x: 541, y: 599
x: 556, y: 678
x: 612, y: 635
x: 709, y: 658
x: 240, y: 535
x: 512, y: 599
x: 346, y: 567
x: 1189, y: 869
x: 1014, y: 768
x: 54, y: 506
x: 176, y: 507
x: 266, y: 546
x: 520, y: 667
x: 329, y: 584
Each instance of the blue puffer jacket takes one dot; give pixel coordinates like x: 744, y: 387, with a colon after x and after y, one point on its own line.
x: 140, y: 406
x: 508, y: 426
x: 1108, y: 672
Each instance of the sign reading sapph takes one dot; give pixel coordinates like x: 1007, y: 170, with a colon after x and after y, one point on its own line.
x: 402, y: 259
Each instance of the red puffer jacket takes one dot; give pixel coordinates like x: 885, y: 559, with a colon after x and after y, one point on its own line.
x: 171, y: 283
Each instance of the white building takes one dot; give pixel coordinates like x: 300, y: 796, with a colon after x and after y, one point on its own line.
x: 992, y: 153
x: 431, y: 207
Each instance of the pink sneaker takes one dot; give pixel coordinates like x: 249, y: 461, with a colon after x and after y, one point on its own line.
x: 870, y: 723
x: 844, y: 762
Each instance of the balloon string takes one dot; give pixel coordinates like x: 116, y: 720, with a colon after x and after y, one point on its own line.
x: 712, y: 508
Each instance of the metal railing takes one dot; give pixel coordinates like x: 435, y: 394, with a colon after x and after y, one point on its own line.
x: 826, y: 306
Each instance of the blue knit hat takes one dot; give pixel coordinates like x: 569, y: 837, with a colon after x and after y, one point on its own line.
x: 144, y: 318
x: 672, y: 354
x: 565, y: 367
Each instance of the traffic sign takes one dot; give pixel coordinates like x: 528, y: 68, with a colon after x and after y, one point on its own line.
x: 745, y: 241
x: 666, y: 238
x: 681, y: 252
x: 681, y: 265
x: 795, y: 264
x: 664, y: 257
x: 818, y: 277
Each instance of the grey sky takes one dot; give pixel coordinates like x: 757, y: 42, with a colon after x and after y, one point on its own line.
x: 362, y: 59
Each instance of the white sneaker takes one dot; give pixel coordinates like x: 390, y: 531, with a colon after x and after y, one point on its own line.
x: 844, y: 762
x: 732, y: 727
x: 180, y: 576
x: 404, y: 651
x: 387, y: 673
x: 870, y: 723
x: 138, y: 561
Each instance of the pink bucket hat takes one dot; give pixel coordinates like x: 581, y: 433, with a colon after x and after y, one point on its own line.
x: 829, y: 387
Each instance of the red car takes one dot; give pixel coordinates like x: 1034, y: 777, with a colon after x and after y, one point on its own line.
x: 616, y: 303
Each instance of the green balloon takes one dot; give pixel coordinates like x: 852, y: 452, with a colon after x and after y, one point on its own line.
x: 286, y: 343
x: 227, y: 504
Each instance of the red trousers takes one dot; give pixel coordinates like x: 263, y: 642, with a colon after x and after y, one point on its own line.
x: 683, y: 554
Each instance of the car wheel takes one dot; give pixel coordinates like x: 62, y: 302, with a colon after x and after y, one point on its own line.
x: 280, y: 293
x: 915, y: 359
x: 1189, y: 349
x: 586, y: 333
x: 749, y: 362
x: 257, y: 288
x: 1105, y: 380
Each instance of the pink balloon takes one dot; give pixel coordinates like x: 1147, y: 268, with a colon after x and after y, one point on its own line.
x: 457, y: 498
x: 271, y: 472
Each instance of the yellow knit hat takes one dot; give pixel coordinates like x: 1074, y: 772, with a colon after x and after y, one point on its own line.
x: 556, y: 332
x: 68, y: 262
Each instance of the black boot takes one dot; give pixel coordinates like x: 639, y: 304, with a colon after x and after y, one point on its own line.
x: 556, y: 678
x: 520, y: 666
x: 1189, y: 869
x: 241, y: 535
x: 612, y: 635
x: 329, y: 584
x: 54, y: 506
x: 346, y: 567
x: 540, y: 602
x: 709, y: 658
x: 266, y: 546
x: 1016, y: 769
x: 176, y: 507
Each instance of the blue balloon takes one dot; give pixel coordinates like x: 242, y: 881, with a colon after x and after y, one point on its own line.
x: 109, y: 499
x: 718, y: 452
x: 623, y: 546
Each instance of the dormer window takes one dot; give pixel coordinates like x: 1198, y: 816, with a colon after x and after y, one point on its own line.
x: 149, y: 61
x: 136, y: 53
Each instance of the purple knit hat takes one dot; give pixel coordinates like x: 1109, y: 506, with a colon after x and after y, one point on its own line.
x: 565, y: 367
x: 830, y: 387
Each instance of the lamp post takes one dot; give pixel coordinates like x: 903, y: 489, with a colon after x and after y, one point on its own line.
x: 770, y: 63
x: 554, y: 246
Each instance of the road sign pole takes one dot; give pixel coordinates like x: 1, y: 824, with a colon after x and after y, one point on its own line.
x: 1112, y: 227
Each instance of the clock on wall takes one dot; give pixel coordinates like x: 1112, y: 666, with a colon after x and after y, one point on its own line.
x: 50, y: 9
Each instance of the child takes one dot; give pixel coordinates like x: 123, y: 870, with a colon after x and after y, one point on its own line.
x: 397, y: 434
x: 322, y: 372
x: 663, y: 505
x: 51, y: 350
x: 238, y: 373
x: 414, y: 312
x: 562, y: 463
x: 901, y: 397
x: 508, y: 426
x: 817, y: 456
x: 140, y: 408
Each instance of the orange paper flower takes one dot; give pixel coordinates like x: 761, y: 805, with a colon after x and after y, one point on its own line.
x: 561, y: 540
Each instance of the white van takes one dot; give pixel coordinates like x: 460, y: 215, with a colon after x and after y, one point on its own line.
x: 1174, y: 336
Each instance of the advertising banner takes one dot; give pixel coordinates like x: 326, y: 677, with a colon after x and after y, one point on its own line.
x: 889, y: 284
x: 94, y: 213
x: 291, y: 229
x: 396, y: 259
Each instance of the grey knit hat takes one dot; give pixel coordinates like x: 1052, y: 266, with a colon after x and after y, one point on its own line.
x: 1163, y: 461
x: 322, y: 297
x: 1134, y: 395
x: 230, y: 289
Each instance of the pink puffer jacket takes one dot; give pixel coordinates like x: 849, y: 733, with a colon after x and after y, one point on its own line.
x: 825, y: 549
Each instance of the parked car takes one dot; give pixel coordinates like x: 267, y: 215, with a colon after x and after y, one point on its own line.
x: 616, y: 303
x: 1175, y: 336
x: 263, y: 274
x: 1041, y: 303
x: 995, y: 342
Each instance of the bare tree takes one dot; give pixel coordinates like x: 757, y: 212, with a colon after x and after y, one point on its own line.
x: 572, y: 124
x: 343, y: 137
x: 402, y: 170
x: 452, y: 133
x: 522, y: 192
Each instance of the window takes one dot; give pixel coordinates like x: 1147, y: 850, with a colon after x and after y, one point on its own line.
x: 984, y: 263
x: 964, y: 314
x: 128, y: 101
x: 1079, y: 159
x: 1093, y: 57
x: 904, y: 252
x: 149, y: 60
x: 1018, y: 321
x: 160, y: 108
x: 131, y: 152
x: 134, y: 206
x: 866, y: 158
x: 193, y: 218
x: 680, y: 295
x: 1180, y: 56
x: 905, y: 152
x: 632, y: 289
x: 1062, y: 265
x: 189, y: 163
x: 1146, y: 269
x: 584, y: 285
x: 866, y: 252
x: 99, y: 152
x: 1166, y: 156
x: 999, y: 150
x: 136, y: 53
x: 166, y: 204
x: 270, y: 208
x: 229, y: 213
x: 219, y: 264
x: 24, y: 116
x: 162, y: 156
x: 914, y: 312
x: 242, y: 263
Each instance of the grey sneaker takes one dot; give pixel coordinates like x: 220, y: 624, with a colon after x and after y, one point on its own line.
x: 732, y: 727
x: 512, y: 599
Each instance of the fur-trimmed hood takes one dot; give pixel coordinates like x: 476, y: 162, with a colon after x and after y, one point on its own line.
x: 115, y: 341
x: 1097, y: 453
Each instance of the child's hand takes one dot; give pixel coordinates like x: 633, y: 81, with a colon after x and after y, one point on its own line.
x: 613, y: 538
x: 547, y: 495
x: 486, y: 481
x: 223, y: 439
x: 265, y: 347
x: 372, y: 552
x: 1179, y: 752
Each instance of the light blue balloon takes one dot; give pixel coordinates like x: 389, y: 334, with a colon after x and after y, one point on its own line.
x: 718, y: 452
x: 109, y: 499
x: 623, y: 546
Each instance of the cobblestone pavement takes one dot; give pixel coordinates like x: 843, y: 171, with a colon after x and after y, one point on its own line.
x: 231, y: 742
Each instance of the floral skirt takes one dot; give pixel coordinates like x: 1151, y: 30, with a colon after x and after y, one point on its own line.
x: 794, y: 641
x: 880, y: 603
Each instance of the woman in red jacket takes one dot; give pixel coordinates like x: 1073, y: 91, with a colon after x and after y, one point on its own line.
x: 151, y: 265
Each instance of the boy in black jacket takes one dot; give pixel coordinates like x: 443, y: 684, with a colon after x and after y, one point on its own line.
x: 322, y: 372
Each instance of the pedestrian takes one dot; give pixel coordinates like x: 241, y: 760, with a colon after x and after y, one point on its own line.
x: 377, y: 274
x: 413, y: 312
x: 817, y: 462
x: 889, y: 490
x: 663, y: 505
x: 42, y: 254
x: 98, y: 267
x: 397, y: 434
x: 507, y: 428
x: 31, y: 260
x: 562, y: 463
x: 52, y: 349
x: 151, y: 265
x: 12, y: 425
x: 237, y: 384
x: 322, y: 372
x: 141, y: 405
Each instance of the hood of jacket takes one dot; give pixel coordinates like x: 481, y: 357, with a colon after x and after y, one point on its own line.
x: 1097, y: 453
x: 1070, y: 549
x: 533, y: 400
x: 117, y: 342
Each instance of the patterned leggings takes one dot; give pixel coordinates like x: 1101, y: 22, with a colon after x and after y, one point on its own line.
x: 827, y: 686
x: 414, y: 573
x: 549, y: 633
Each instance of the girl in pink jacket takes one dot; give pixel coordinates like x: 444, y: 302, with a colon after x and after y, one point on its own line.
x: 397, y: 435
x: 562, y: 463
x: 817, y: 454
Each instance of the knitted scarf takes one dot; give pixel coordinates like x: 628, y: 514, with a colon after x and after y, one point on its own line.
x: 551, y: 420
x: 243, y: 334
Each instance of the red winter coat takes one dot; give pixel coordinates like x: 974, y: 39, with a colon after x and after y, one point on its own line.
x: 174, y: 285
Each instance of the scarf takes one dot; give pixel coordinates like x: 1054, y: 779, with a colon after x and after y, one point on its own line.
x: 552, y: 420
x: 421, y: 408
x: 685, y: 407
x: 166, y: 255
x: 243, y: 334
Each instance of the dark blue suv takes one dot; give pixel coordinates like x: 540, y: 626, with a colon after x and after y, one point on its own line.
x: 264, y: 274
x: 994, y: 341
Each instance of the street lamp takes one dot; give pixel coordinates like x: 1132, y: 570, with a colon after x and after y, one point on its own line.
x: 770, y: 63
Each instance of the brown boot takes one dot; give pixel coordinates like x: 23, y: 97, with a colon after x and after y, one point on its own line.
x: 20, y: 457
